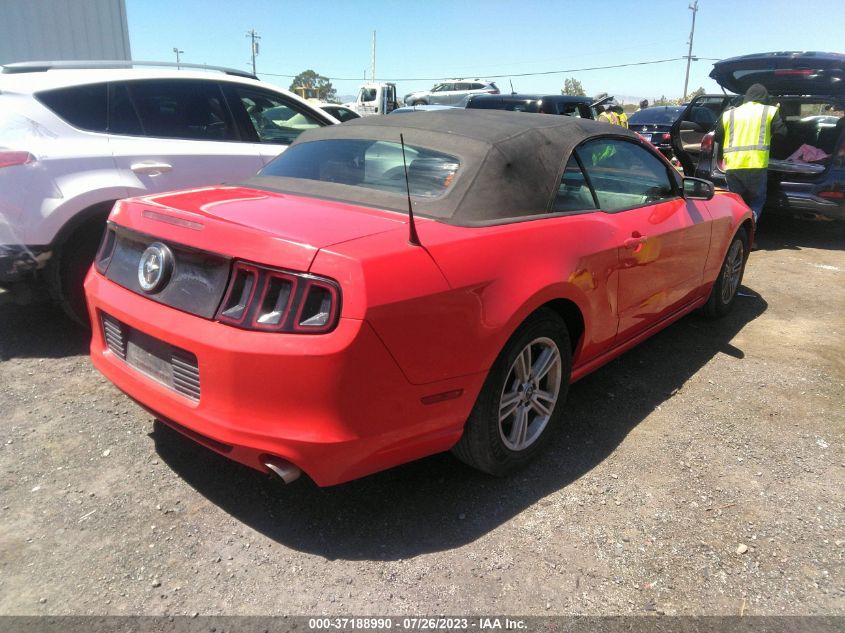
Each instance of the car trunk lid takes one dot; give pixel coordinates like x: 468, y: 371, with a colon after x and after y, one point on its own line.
x: 260, y: 226
x: 784, y: 73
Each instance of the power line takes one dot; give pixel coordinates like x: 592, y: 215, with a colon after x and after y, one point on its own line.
x: 545, y: 72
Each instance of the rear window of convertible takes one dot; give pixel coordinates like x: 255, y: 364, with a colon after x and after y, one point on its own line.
x: 369, y: 164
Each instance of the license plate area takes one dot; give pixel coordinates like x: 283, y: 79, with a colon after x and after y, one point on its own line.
x: 150, y: 356
x: 167, y: 364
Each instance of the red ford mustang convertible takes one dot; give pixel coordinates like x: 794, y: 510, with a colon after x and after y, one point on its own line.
x: 305, y: 321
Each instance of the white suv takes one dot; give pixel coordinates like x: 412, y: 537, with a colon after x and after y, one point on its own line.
x: 451, y: 92
x: 76, y: 136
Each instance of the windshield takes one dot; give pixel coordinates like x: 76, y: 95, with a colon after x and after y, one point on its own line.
x: 369, y: 164
x: 656, y: 116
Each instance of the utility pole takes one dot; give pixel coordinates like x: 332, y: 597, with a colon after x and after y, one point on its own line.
x: 694, y: 8
x: 178, y: 53
x: 255, y: 37
x: 373, y: 62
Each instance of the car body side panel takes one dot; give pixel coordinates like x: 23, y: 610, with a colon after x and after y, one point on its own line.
x: 662, y: 266
x: 728, y: 213
x: 461, y: 329
x: 164, y: 164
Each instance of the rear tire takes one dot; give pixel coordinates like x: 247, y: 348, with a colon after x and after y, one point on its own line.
x: 419, y: 102
x: 723, y: 294
x: 521, y: 403
x: 69, y: 266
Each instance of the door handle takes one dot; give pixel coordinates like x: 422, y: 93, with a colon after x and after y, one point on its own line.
x: 151, y: 168
x: 635, y: 240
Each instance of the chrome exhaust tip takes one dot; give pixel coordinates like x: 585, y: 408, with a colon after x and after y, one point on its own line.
x: 286, y: 471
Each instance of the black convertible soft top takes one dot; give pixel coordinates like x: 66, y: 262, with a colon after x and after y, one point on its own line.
x: 511, y: 163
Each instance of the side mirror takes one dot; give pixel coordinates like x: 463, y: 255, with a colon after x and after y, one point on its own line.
x: 698, y: 189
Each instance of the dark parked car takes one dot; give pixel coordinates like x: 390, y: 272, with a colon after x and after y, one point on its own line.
x: 544, y: 104
x: 655, y: 124
x: 809, y: 88
x: 341, y: 113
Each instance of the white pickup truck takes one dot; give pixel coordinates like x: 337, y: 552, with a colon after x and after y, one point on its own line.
x: 374, y: 98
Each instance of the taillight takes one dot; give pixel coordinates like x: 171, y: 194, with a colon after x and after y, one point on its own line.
x: 267, y: 299
x: 10, y: 158
x: 794, y: 72
x: 832, y: 195
x: 239, y: 294
x: 106, y: 250
x: 666, y: 137
x: 707, y: 143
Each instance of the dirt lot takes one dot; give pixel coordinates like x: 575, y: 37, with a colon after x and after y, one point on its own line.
x: 709, y: 440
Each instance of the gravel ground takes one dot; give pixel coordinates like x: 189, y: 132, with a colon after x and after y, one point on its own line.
x: 701, y: 473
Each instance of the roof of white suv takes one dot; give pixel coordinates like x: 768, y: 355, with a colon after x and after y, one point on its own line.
x: 31, y: 77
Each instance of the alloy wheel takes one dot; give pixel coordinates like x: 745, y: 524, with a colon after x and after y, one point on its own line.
x: 530, y: 394
x: 733, y: 271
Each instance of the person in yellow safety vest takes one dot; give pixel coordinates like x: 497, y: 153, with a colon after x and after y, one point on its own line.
x: 620, y: 116
x: 607, y: 116
x: 643, y: 104
x: 745, y: 135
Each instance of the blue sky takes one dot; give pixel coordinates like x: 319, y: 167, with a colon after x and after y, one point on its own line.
x: 423, y: 40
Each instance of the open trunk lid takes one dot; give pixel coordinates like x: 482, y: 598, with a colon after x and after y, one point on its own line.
x: 784, y: 73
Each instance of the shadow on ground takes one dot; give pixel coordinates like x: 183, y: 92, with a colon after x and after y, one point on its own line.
x: 786, y: 233
x: 39, y: 331
x: 417, y: 508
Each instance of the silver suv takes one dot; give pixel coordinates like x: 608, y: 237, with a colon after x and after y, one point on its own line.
x: 76, y: 136
x: 451, y: 92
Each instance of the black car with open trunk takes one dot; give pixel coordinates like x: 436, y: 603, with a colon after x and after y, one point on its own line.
x: 807, y: 166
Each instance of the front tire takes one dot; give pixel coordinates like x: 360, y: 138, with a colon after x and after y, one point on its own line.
x: 723, y: 294
x: 521, y: 403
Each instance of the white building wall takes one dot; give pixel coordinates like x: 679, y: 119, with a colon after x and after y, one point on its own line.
x: 48, y: 30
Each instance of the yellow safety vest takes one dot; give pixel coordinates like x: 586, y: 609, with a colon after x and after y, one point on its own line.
x: 623, y: 119
x: 609, y: 117
x: 748, y: 136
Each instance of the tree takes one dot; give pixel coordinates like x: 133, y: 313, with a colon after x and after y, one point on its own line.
x: 694, y: 94
x: 310, y: 85
x: 663, y: 101
x: 573, y: 87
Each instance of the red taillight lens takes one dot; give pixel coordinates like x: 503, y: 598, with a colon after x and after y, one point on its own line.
x: 707, y: 143
x: 239, y: 294
x: 10, y: 159
x: 317, y: 312
x: 275, y: 302
x: 832, y: 195
x: 260, y: 298
x: 666, y: 137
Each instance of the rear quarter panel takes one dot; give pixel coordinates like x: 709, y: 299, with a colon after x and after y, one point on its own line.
x: 448, y: 309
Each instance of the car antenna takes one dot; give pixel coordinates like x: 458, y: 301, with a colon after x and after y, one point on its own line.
x: 513, y: 92
x: 413, y: 238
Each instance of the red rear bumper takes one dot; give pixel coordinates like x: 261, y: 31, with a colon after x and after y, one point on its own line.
x: 335, y: 405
